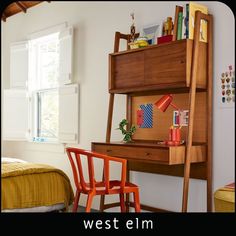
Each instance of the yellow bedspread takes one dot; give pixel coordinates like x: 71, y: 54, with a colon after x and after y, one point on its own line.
x: 31, y: 185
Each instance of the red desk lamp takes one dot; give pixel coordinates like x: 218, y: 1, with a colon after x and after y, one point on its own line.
x: 163, y: 103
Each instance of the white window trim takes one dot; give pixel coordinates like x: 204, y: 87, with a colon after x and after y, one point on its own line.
x: 49, y: 30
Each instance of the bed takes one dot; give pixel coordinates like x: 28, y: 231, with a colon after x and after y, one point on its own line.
x: 31, y: 187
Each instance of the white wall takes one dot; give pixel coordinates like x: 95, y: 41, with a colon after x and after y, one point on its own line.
x: 95, y: 24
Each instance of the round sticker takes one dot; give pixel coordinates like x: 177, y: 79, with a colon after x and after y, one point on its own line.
x: 222, y: 80
x: 227, y: 80
x: 228, y: 99
x: 233, y: 85
x: 223, y: 99
x: 223, y: 92
x: 223, y: 86
x: 228, y: 92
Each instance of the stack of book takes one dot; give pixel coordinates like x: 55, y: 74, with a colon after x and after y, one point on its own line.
x: 184, y: 22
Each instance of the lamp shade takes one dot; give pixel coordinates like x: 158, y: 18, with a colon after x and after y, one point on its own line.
x: 164, y: 102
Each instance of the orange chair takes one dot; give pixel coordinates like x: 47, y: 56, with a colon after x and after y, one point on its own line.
x: 104, y: 187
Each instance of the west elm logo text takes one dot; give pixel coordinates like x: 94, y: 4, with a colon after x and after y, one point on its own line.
x: 114, y: 224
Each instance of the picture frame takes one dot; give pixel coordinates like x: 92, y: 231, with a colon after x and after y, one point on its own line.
x: 152, y: 31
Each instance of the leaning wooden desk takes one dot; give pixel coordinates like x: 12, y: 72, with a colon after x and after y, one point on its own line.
x: 182, y: 68
x: 156, y: 158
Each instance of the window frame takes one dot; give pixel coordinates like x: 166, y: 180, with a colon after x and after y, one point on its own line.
x: 18, y: 124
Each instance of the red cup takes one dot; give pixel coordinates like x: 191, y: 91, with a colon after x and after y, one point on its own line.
x: 175, y: 135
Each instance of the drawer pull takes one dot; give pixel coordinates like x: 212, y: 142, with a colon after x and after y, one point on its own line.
x: 148, y: 153
x: 109, y: 150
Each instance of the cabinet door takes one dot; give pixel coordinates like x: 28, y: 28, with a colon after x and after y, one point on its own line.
x: 166, y: 64
x: 129, y: 70
x: 19, y: 65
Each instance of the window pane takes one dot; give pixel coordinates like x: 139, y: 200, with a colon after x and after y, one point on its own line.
x: 48, y: 114
x: 48, y: 69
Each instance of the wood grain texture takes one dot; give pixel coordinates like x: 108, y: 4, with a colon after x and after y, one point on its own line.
x: 19, y: 6
x: 156, y: 67
x: 156, y: 154
x: 209, y: 111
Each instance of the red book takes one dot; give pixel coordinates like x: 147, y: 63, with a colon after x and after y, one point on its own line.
x: 164, y: 39
x: 232, y: 186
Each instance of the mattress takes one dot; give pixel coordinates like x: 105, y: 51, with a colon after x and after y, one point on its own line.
x: 31, y: 187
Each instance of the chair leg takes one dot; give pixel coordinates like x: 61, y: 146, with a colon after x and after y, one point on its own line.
x: 136, y: 201
x: 76, y: 201
x: 102, y: 203
x: 89, y: 202
x: 122, y: 202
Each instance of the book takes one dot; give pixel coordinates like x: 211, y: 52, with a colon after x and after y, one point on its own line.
x: 186, y: 22
x: 165, y: 39
x: 179, y: 29
x: 193, y: 7
x: 178, y: 9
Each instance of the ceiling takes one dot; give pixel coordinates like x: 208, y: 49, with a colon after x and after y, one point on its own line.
x: 19, y: 6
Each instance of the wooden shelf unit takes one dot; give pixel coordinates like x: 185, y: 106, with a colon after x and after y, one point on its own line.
x: 184, y: 69
x: 156, y: 67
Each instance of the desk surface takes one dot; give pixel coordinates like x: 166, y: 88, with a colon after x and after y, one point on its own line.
x: 157, y: 158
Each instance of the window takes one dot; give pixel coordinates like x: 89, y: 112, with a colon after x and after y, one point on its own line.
x: 42, y: 102
x: 43, y: 83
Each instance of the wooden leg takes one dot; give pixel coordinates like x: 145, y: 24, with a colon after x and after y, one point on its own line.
x: 109, y: 120
x: 136, y: 201
x: 89, y: 203
x: 122, y: 202
x: 209, y: 120
x: 186, y: 187
x: 76, y: 201
x: 209, y: 195
x: 192, y: 94
x: 102, y: 203
x: 127, y: 194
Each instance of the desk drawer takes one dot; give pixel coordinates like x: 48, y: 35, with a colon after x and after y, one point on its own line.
x: 168, y: 155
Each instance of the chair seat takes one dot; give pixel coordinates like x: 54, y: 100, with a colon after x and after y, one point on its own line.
x: 114, y: 187
x: 224, y: 199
